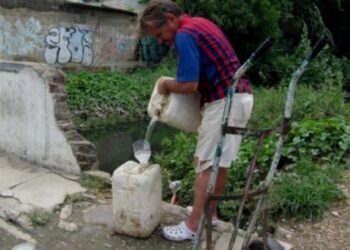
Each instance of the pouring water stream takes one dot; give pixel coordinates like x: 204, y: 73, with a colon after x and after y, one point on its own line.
x: 142, y: 148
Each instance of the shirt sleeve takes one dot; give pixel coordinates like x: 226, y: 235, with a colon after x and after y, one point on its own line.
x: 189, y: 58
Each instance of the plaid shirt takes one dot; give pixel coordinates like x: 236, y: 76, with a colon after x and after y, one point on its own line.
x: 218, y: 60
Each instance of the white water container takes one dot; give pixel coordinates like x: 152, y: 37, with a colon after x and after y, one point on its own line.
x: 181, y: 111
x: 137, y: 198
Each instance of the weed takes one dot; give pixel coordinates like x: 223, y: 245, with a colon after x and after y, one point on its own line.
x: 94, y: 182
x: 73, y: 198
x: 39, y: 218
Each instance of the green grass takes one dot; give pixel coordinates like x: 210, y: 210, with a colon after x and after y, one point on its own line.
x: 39, y: 218
x: 306, y: 190
x: 94, y: 182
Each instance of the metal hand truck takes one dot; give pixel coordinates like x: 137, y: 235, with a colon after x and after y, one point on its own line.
x: 262, y: 134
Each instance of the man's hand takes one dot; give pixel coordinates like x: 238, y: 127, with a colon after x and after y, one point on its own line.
x: 162, y: 88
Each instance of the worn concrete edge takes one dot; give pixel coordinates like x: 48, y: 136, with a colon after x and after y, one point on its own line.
x: 83, y: 150
x: 16, y: 233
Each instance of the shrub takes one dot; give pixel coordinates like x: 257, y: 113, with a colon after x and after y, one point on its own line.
x: 323, y: 141
x: 176, y: 159
x: 309, y: 103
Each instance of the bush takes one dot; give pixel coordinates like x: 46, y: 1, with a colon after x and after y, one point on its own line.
x: 322, y: 141
x: 176, y: 159
x: 309, y: 103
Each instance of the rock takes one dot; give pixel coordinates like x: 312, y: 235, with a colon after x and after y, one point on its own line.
x: 89, y: 196
x: 25, y: 222
x: 336, y: 214
x: 284, y: 232
x: 7, y: 193
x: 101, y: 201
x: 66, y: 211
x: 68, y: 226
x: 10, y: 209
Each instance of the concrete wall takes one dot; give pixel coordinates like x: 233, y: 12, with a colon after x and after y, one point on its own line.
x: 35, y: 121
x: 67, y: 35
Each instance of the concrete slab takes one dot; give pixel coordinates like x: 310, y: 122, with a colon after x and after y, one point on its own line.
x: 32, y: 184
x: 224, y: 241
x: 100, y: 216
x: 50, y: 190
x: 11, y: 174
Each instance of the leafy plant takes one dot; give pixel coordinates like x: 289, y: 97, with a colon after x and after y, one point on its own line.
x: 323, y: 141
x: 100, y: 99
x: 176, y: 159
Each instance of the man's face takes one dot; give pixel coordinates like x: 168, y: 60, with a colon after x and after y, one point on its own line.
x: 165, y: 33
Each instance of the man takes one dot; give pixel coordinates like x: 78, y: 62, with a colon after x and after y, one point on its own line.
x: 206, y: 63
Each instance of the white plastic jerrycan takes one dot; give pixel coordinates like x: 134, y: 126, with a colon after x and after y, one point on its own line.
x: 137, y: 199
x: 181, y: 111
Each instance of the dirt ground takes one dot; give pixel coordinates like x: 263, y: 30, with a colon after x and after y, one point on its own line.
x: 330, y: 233
x: 89, y: 236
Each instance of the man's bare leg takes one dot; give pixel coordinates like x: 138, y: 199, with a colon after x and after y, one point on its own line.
x: 200, y: 194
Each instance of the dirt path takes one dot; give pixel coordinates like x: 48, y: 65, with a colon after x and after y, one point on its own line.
x: 332, y: 232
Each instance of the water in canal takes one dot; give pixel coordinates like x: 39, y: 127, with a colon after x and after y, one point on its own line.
x: 114, y: 145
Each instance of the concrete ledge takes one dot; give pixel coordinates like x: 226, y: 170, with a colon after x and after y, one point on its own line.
x: 35, y: 120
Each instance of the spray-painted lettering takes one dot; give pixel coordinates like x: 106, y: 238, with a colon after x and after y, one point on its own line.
x: 69, y: 44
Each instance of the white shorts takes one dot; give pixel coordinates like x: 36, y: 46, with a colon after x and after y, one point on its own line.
x: 209, y: 131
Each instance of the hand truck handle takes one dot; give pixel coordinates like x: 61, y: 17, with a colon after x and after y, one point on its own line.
x: 319, y: 45
x: 262, y: 48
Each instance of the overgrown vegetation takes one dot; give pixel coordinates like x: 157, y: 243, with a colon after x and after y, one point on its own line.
x: 101, y: 99
x: 321, y: 150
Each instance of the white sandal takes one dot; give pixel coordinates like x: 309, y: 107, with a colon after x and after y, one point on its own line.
x: 214, y: 221
x: 179, y: 232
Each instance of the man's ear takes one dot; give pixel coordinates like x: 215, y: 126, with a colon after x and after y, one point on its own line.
x: 171, y: 17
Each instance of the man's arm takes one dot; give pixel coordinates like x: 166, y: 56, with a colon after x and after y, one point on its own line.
x: 167, y: 86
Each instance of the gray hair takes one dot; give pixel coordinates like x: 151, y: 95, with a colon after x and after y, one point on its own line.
x: 155, y: 13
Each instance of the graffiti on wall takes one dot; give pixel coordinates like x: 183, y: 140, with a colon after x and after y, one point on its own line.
x: 20, y: 38
x: 125, y: 43
x: 150, y: 50
x: 69, y: 44
x: 115, y: 44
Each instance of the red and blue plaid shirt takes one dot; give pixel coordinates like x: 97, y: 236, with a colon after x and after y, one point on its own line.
x: 206, y: 55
